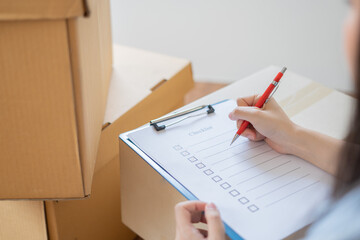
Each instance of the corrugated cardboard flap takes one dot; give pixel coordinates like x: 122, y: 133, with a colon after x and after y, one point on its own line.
x: 55, y: 80
x: 91, y: 80
x: 146, y: 71
x: 41, y: 9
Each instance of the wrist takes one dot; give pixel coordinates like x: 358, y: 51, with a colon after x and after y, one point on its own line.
x: 296, y: 140
x: 304, y: 143
x: 321, y: 150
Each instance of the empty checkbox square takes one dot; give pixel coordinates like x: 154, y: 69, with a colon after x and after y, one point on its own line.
x: 185, y: 153
x: 225, y: 185
x: 243, y: 200
x: 200, y: 165
x: 253, y: 208
x: 208, y: 172
x: 177, y: 147
x: 234, y: 193
x: 192, y: 159
x: 217, y: 178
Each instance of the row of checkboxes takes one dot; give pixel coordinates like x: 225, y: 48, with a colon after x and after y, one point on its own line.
x: 224, y: 185
x: 235, y: 193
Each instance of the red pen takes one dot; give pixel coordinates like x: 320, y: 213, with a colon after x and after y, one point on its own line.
x: 263, y: 99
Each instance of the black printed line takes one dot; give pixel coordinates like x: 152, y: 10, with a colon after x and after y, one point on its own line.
x: 228, y: 149
x: 227, y: 140
x: 211, y: 138
x: 301, y: 189
x: 270, y: 159
x: 263, y: 172
x: 273, y: 179
x: 236, y: 153
x: 245, y: 160
x: 291, y: 182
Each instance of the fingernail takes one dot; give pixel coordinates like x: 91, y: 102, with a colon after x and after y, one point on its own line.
x: 211, y: 206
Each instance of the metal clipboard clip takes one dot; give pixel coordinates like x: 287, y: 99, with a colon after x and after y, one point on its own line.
x: 155, y: 122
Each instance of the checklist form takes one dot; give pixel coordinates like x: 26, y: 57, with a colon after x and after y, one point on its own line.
x: 261, y: 194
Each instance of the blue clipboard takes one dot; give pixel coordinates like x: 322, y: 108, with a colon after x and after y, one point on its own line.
x: 168, y: 177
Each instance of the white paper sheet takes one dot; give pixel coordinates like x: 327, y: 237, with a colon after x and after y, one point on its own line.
x: 260, y: 193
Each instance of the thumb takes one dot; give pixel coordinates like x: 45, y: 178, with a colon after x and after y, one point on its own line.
x: 216, y: 229
x: 249, y: 114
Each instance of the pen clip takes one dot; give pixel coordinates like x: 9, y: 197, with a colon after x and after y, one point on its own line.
x: 273, y: 92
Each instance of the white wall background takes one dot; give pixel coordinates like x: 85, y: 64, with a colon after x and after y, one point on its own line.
x: 230, y: 39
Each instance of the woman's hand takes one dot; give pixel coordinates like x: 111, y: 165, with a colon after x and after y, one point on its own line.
x: 190, y: 212
x: 269, y: 123
x: 273, y: 125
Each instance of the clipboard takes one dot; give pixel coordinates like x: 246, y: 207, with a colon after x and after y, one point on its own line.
x: 177, y: 116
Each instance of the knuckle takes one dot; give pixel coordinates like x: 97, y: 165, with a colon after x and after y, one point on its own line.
x: 256, y: 112
x: 256, y: 115
x: 239, y: 101
x: 257, y: 96
x: 237, y: 111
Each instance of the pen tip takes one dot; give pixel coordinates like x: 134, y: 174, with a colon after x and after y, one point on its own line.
x: 283, y: 70
x: 233, y: 140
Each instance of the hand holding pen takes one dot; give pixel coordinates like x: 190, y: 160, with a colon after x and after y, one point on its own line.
x: 259, y: 103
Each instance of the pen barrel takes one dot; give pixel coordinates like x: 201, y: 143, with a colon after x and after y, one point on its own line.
x: 262, y: 99
x: 269, y: 90
x: 258, y: 104
x: 242, y: 128
x: 265, y: 96
x: 278, y: 77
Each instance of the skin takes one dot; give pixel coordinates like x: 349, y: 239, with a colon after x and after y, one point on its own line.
x: 272, y: 125
x: 189, y: 212
x: 351, y: 33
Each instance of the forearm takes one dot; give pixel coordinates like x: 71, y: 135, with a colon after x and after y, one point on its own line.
x: 319, y: 149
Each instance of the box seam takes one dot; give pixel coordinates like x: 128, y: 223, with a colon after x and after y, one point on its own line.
x: 75, y: 108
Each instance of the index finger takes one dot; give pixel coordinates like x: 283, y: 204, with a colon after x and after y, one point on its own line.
x: 185, y: 212
x: 247, y: 101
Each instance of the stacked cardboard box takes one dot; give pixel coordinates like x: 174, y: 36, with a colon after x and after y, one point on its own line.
x: 55, y: 67
x: 144, y: 86
x: 22, y: 220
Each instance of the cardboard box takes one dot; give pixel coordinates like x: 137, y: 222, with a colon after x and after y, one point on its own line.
x: 22, y: 220
x: 142, y: 186
x: 148, y: 200
x: 144, y: 86
x: 55, y: 66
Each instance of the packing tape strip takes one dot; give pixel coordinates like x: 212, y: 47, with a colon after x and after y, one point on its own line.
x: 304, y: 98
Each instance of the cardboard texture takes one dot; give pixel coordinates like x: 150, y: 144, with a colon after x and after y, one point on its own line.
x: 22, y: 220
x: 155, y: 219
x: 41, y: 9
x: 139, y: 181
x: 99, y: 217
x: 56, y: 75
